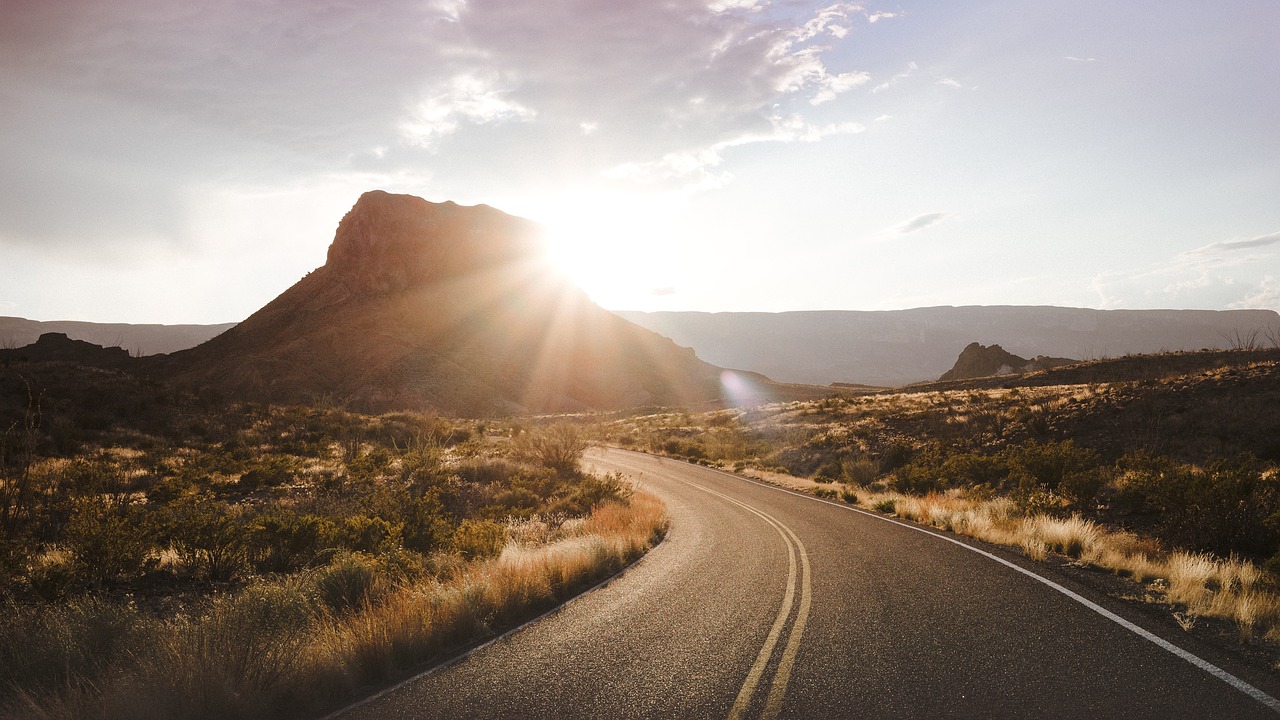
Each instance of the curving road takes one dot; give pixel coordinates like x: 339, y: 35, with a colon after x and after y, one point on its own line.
x: 762, y: 604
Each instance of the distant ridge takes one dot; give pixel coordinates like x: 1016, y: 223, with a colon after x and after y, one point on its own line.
x: 137, y: 340
x: 898, y: 347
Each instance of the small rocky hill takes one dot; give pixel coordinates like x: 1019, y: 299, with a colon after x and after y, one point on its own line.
x: 57, y: 347
x: 978, y: 360
x: 436, y: 306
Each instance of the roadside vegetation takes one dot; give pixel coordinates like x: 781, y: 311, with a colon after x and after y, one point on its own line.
x: 167, y: 555
x: 1170, y: 476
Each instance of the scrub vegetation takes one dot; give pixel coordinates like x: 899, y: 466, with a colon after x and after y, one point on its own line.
x: 1169, y: 476
x: 167, y: 555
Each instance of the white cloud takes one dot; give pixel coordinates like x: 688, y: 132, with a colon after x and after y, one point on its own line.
x: 692, y: 168
x: 720, y: 6
x: 878, y: 16
x: 832, y: 85
x: 949, y: 82
x: 919, y: 222
x: 883, y: 118
x: 1073, y: 58
x: 1267, y: 296
x: 466, y: 97
x: 1231, y: 246
x: 911, y: 68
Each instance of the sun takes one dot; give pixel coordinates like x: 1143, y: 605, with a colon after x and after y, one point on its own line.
x: 619, y: 249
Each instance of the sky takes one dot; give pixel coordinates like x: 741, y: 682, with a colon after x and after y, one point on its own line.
x: 187, y: 161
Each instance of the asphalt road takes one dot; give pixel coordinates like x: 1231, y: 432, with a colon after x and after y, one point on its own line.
x: 762, y: 603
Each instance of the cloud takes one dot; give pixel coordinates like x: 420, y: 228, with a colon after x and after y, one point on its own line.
x: 911, y: 68
x: 1073, y: 58
x: 951, y: 83
x: 121, y: 116
x: 1267, y: 296
x: 1231, y: 246
x: 692, y: 168
x: 878, y: 16
x: 832, y: 85
x: 465, y: 97
x: 919, y: 222
x: 663, y: 291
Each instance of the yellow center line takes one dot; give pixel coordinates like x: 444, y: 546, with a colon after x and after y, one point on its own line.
x: 782, y: 674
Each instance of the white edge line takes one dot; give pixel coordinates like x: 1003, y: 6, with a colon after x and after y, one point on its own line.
x: 455, y: 659
x: 1160, y: 642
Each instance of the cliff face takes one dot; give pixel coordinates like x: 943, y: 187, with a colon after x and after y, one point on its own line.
x: 447, y: 308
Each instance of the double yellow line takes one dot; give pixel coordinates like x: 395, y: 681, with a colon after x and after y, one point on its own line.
x: 782, y: 672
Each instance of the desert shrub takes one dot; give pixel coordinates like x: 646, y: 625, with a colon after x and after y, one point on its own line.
x: 591, y: 490
x: 367, y: 534
x: 349, y: 580
x: 108, y: 541
x: 558, y: 447
x: 1230, y: 506
x: 209, y: 536
x: 1061, y: 467
x: 688, y: 448
x: 923, y: 474
x: 426, y: 527
x: 476, y: 539
x: 860, y: 470
x: 268, y: 471
x: 828, y: 493
x: 849, y: 495
x: 886, y: 506
x: 367, y: 466
x: 282, y: 541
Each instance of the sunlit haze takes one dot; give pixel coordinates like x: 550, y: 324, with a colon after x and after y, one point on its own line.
x: 180, y: 162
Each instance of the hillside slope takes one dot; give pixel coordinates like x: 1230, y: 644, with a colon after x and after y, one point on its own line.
x: 437, y: 306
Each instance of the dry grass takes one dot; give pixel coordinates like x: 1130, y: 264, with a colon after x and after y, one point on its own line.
x: 273, y: 650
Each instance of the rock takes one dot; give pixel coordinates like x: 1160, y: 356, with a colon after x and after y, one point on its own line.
x: 57, y: 347
x: 977, y: 360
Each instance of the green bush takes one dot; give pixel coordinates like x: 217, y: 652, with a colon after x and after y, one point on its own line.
x: 282, y: 541
x: 476, y: 539
x: 1231, y: 506
x: 349, y: 580
x: 558, y: 447
x: 268, y: 471
x: 109, y: 542
x: 208, y: 535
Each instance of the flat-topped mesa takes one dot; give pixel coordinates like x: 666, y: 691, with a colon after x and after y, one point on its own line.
x: 388, y: 243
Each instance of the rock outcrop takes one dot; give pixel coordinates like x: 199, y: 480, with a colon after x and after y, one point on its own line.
x: 57, y: 347
x: 977, y: 360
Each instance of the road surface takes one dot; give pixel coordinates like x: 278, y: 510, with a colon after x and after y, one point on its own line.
x: 762, y: 604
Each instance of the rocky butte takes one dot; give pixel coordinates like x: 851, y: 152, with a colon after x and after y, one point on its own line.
x: 437, y: 306
x: 978, y: 360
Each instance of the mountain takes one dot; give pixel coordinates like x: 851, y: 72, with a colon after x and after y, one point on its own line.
x: 437, y: 306
x: 977, y: 360
x: 136, y: 339
x: 896, y: 347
